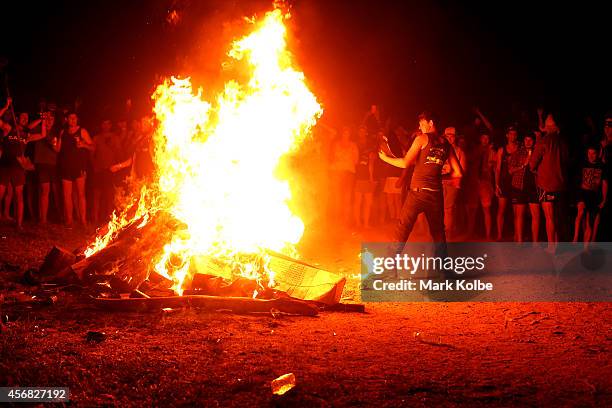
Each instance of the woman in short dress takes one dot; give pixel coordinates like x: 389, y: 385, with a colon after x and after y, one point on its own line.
x: 74, y: 146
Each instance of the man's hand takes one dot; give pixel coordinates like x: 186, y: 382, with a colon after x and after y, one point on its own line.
x: 602, y: 204
x: 115, y: 168
x: 9, y: 100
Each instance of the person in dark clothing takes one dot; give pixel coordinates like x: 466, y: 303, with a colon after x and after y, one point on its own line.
x: 549, y: 161
x: 45, y: 162
x: 523, y: 190
x: 592, y: 196
x: 12, y: 167
x: 428, y: 153
x: 503, y: 178
x: 372, y: 121
x: 74, y: 146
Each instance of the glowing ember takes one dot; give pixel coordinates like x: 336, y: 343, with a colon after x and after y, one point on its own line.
x: 217, y: 162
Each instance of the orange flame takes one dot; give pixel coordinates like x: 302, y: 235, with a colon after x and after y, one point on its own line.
x: 217, y: 162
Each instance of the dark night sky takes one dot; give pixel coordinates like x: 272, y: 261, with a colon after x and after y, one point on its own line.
x: 406, y: 56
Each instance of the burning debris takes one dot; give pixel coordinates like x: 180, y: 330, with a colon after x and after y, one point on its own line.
x: 215, y: 227
x: 118, y: 277
x: 219, y: 193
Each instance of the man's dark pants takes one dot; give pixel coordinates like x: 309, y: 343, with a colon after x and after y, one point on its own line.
x: 432, y: 204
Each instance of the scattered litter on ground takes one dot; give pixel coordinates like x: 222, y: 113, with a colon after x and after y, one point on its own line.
x: 283, y: 384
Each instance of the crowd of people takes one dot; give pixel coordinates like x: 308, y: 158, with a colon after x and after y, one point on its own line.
x: 530, y: 172
x: 54, y: 162
x: 548, y: 178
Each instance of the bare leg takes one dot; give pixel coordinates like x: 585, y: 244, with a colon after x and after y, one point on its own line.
x: 75, y: 201
x: 337, y: 198
x: 97, y: 196
x: 578, y: 222
x: 501, y: 211
x: 595, y: 227
x: 587, y: 231
x: 30, y: 188
x: 57, y: 201
x: 82, y: 200
x: 357, y: 209
x: 551, y: 232
x: 367, y: 209
x: 519, y: 221
x: 535, y: 221
x: 67, y: 189
x: 471, y: 218
x: 43, y: 202
x: 2, y: 191
x: 380, y: 207
x: 488, y: 221
x: 8, y: 199
x: 19, y: 205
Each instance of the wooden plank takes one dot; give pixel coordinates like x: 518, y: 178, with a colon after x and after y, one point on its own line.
x: 235, y: 304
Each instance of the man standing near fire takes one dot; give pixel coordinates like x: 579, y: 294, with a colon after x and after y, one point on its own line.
x: 428, y: 153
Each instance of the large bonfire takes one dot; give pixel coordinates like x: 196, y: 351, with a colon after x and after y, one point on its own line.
x: 217, y: 169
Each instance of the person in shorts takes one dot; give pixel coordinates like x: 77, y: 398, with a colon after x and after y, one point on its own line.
x: 523, y: 191
x: 12, y: 172
x: 503, y: 178
x: 45, y: 163
x: 592, y: 195
x: 549, y: 161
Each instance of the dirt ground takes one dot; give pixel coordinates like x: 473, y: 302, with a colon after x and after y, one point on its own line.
x: 407, y: 354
